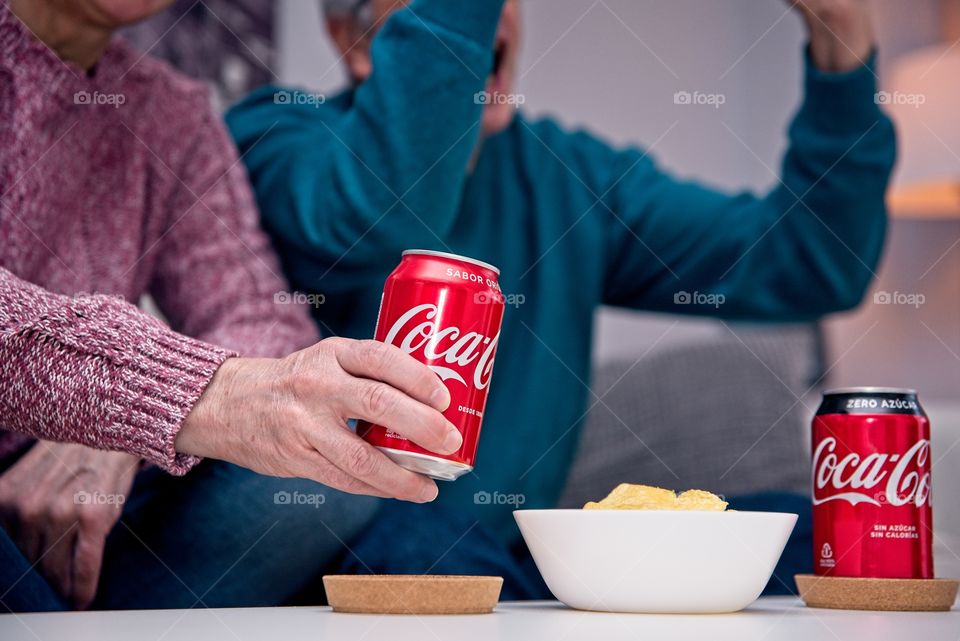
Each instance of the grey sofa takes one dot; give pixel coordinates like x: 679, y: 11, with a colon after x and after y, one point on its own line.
x: 729, y: 414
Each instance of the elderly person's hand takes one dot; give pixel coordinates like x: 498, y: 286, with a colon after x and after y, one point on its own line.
x: 59, y: 503
x: 288, y: 417
x: 841, y: 35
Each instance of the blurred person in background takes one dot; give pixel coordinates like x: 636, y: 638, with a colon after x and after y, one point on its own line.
x: 117, y: 180
x: 426, y: 150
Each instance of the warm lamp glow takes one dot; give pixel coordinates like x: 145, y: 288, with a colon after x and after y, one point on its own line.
x: 927, y: 201
x: 923, y: 98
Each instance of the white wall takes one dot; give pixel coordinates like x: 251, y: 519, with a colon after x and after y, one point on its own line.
x: 901, y: 345
x: 614, y: 66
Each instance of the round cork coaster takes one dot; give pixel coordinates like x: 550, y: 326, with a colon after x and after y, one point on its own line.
x: 412, y: 593
x: 850, y: 593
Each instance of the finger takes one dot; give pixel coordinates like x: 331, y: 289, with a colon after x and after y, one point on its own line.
x: 360, y: 460
x: 321, y: 470
x: 86, y: 563
x: 383, y: 405
x: 388, y: 364
x: 56, y: 561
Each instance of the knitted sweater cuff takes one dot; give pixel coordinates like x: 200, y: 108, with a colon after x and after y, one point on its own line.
x: 155, y: 394
x: 160, y: 377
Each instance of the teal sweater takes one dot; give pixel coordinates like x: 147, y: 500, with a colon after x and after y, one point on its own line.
x: 572, y: 223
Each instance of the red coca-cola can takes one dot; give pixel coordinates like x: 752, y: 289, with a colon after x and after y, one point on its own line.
x: 872, y: 511
x: 445, y: 311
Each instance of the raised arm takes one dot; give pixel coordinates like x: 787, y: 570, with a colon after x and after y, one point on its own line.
x: 386, y: 163
x: 808, y: 247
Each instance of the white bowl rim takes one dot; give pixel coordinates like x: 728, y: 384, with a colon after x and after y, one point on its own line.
x: 733, y: 513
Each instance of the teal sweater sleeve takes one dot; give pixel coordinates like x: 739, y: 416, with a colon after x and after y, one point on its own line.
x: 808, y: 247
x: 389, y: 168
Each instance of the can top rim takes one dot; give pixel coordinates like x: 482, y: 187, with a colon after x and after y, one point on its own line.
x: 472, y: 261
x: 870, y: 390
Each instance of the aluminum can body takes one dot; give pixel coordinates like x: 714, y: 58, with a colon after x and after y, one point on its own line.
x: 445, y: 311
x: 872, y: 501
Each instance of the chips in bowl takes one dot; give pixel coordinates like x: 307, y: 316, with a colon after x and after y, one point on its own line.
x: 627, y: 496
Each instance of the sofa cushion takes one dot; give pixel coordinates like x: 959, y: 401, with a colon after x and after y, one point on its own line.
x: 729, y: 414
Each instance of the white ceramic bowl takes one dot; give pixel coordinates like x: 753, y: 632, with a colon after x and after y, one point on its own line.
x: 655, y: 561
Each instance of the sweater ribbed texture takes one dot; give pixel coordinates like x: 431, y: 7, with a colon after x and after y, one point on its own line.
x: 113, y: 185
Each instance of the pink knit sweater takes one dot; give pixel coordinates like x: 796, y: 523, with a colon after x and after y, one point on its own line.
x: 112, y: 186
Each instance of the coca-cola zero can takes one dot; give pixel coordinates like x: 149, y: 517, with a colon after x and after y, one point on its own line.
x: 445, y: 311
x: 872, y: 511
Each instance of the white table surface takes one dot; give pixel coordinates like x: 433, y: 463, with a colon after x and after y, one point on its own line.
x: 774, y: 619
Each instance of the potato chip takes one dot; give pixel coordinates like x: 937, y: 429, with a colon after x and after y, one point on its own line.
x: 701, y: 500
x: 633, y: 497
x: 645, y: 497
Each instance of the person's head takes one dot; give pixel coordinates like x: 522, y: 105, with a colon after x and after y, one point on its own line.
x: 78, y: 30
x: 353, y: 23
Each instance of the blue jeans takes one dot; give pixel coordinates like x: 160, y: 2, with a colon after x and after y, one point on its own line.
x: 21, y: 588
x: 407, y: 538
x: 425, y: 539
x: 221, y: 536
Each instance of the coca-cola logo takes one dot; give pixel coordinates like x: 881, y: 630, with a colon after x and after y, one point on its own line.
x: 450, y: 345
x: 877, y: 478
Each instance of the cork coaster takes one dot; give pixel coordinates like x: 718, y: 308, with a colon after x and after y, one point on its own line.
x: 849, y: 593
x: 413, y: 593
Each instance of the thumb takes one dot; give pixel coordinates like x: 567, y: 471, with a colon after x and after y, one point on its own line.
x: 87, y: 563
